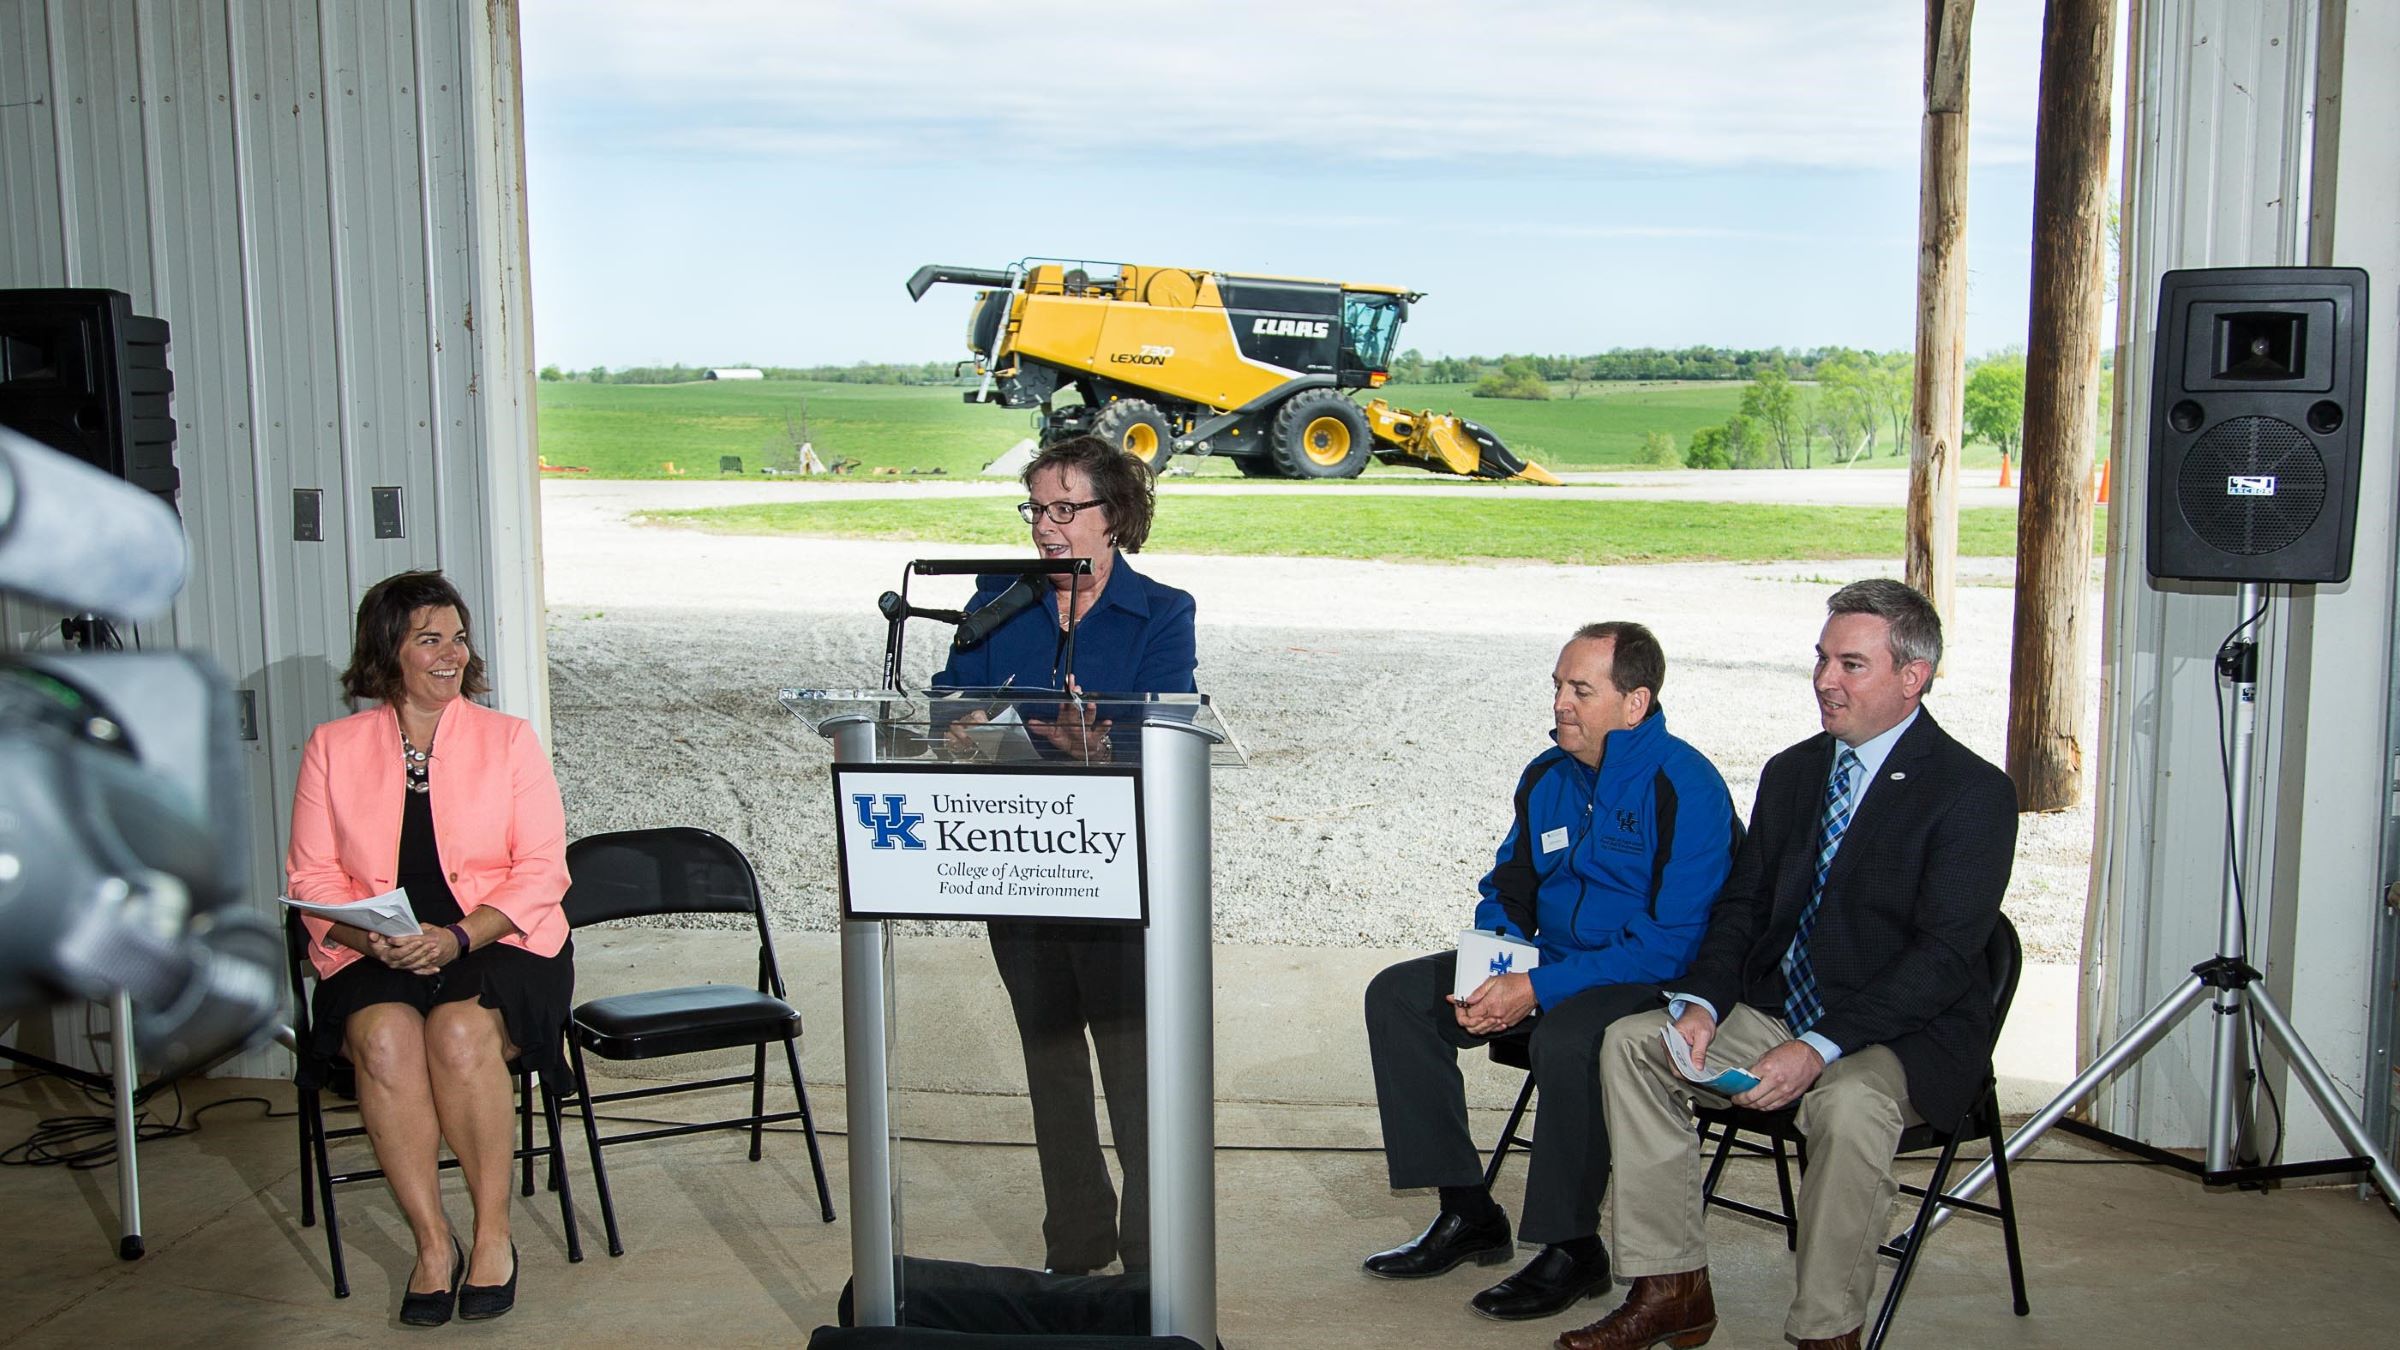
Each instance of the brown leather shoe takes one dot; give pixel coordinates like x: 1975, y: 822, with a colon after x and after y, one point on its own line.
x: 1671, y: 1310
x: 1848, y: 1340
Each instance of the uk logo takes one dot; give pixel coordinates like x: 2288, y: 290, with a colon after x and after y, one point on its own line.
x: 894, y: 827
x: 1504, y: 963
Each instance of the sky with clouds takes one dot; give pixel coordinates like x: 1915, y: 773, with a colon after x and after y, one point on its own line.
x: 720, y: 181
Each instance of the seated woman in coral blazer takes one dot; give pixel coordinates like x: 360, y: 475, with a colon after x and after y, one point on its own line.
x: 454, y: 803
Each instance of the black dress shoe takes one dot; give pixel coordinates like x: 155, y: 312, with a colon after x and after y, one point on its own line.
x: 1549, y: 1284
x: 1446, y: 1242
x: 482, y: 1302
x: 432, y: 1310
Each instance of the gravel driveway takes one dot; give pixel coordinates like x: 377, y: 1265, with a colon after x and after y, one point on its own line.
x: 1387, y: 707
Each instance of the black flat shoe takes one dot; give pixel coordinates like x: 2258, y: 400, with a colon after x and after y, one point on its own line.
x: 1446, y: 1242
x: 432, y: 1310
x: 482, y: 1302
x: 1550, y: 1283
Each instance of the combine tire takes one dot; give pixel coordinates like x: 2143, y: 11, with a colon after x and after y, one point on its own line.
x: 1138, y: 428
x: 1256, y: 466
x: 1320, y: 434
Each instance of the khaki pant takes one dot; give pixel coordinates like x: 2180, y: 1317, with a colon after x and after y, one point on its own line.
x: 1852, y: 1118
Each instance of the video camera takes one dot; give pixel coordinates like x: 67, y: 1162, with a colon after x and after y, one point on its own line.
x: 124, y: 846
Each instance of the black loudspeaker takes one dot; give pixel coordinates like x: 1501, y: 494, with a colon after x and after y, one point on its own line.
x: 82, y: 373
x: 2257, y: 394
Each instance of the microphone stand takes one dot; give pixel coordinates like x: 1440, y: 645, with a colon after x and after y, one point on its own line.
x: 897, y: 611
x: 2224, y: 985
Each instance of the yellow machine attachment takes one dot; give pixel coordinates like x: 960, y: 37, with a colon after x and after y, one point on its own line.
x: 1448, y: 444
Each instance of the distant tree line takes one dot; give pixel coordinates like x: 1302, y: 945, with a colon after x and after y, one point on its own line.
x: 1409, y: 367
x: 1618, y: 363
x: 1857, y: 400
x: 1848, y: 402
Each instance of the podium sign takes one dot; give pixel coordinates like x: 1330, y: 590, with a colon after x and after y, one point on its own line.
x: 950, y: 841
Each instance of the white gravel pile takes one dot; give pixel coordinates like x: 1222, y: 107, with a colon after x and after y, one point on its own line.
x: 1387, y: 707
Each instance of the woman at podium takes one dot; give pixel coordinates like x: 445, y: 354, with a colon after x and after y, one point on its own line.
x: 1132, y: 635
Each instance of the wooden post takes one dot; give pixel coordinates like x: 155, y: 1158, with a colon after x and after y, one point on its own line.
x: 1939, y: 411
x: 2062, y: 378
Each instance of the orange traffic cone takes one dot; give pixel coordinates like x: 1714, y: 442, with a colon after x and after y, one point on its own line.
x: 2100, y: 494
x: 2006, y: 478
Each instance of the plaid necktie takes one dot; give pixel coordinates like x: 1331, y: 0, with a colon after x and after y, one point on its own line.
x: 1801, y: 1006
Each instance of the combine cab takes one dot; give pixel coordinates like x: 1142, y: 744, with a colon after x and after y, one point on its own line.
x: 1166, y: 361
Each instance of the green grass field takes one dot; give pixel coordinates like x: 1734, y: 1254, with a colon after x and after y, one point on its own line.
x: 637, y: 431
x: 1438, y: 528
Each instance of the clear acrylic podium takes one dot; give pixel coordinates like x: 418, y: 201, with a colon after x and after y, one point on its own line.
x: 1167, y: 745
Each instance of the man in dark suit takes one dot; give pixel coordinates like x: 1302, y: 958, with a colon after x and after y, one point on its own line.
x: 1843, y: 965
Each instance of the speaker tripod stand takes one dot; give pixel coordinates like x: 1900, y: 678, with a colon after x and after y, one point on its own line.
x: 2225, y: 983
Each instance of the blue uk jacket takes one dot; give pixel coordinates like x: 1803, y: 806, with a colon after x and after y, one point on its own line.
x: 1137, y: 640
x: 1612, y: 871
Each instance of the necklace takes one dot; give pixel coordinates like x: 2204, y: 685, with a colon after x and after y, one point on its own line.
x: 413, y: 762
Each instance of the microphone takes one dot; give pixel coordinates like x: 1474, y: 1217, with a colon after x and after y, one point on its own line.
x: 994, y: 567
x: 82, y: 540
x: 1008, y: 604
x: 894, y: 606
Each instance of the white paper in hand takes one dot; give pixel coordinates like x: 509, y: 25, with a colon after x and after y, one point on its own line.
x: 1728, y: 1082
x: 388, y: 913
x: 1482, y: 955
x: 1002, y: 740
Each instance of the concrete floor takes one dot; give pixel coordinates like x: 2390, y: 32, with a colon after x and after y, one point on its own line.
x: 729, y: 1253
x: 2118, y: 1254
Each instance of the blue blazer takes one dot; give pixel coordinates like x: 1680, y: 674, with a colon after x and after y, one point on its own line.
x: 1137, y: 640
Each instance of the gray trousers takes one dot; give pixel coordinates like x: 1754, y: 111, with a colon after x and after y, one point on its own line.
x: 1413, y: 1038
x: 1852, y: 1118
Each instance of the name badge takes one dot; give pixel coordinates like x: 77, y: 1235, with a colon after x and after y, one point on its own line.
x: 1554, y: 840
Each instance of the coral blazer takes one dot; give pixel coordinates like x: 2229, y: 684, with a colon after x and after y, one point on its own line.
x: 498, y: 823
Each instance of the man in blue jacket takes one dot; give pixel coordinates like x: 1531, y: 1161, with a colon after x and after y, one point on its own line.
x: 1622, y: 836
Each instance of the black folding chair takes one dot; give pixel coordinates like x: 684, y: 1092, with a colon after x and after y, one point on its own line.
x: 1515, y: 1052
x: 635, y: 874
x: 2003, y: 959
x: 317, y: 1177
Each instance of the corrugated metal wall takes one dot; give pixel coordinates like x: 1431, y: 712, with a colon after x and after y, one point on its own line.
x: 319, y: 196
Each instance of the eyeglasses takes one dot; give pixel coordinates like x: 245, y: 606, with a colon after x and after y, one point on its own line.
x: 1060, y: 513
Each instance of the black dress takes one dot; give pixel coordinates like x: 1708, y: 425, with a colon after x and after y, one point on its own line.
x: 532, y: 993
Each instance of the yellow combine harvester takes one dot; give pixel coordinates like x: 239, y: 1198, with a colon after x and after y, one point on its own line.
x: 1170, y: 361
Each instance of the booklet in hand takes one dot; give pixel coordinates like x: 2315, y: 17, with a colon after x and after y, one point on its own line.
x: 1482, y: 955
x: 1725, y: 1082
x: 388, y: 913
x: 1002, y: 739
